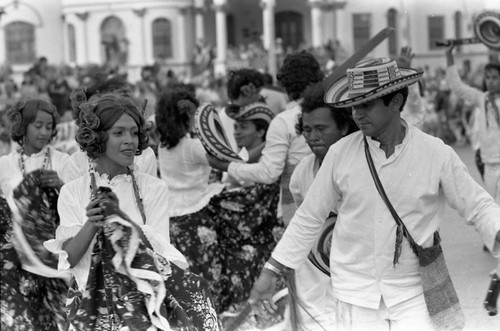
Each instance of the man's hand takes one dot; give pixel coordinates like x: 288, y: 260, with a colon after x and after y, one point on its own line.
x: 262, y: 292
x: 405, y: 57
x: 216, y: 163
x: 449, y: 55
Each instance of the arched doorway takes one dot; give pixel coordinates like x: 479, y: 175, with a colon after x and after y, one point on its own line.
x: 114, y: 42
x: 288, y: 27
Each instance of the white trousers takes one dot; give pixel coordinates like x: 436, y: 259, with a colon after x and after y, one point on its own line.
x: 409, y: 315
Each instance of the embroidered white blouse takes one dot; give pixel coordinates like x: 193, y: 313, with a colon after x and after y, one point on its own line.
x: 78, y: 164
x: 420, y: 178
x: 10, y: 172
x: 186, y: 171
x: 75, y: 196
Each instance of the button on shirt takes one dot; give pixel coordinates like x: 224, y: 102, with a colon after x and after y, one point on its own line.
x: 420, y: 177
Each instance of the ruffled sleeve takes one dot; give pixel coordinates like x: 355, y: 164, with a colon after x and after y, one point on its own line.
x: 157, y: 204
x: 70, y: 206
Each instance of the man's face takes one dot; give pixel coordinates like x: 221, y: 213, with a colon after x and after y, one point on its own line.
x: 492, y: 80
x: 247, y: 135
x: 320, y: 130
x: 372, y: 117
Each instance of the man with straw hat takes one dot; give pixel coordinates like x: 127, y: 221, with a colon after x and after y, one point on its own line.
x: 379, y: 281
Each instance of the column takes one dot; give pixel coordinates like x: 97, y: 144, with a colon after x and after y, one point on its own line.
x: 199, y: 20
x: 140, y: 14
x: 221, y: 36
x: 316, y: 22
x: 83, y: 17
x: 269, y: 37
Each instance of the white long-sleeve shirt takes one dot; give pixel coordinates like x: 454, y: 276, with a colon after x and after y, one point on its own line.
x: 283, y: 150
x: 488, y: 135
x: 420, y: 178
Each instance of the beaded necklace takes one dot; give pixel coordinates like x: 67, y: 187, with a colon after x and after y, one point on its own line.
x: 137, y: 194
x: 46, y: 161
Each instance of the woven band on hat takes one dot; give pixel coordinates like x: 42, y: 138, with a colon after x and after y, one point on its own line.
x: 364, y: 79
x: 255, y: 111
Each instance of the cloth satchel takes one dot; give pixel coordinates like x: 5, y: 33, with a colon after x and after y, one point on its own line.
x: 440, y: 295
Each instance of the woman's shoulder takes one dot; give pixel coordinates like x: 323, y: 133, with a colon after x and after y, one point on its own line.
x: 150, y: 182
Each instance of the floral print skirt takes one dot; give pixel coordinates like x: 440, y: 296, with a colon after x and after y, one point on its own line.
x: 229, y: 240
x: 29, y: 301
x: 139, y: 293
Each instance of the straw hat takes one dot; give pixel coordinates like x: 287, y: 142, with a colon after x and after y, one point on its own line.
x: 370, y: 80
x: 253, y: 111
x: 209, y: 129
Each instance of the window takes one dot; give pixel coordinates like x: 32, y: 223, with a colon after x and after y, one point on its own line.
x: 392, y: 16
x: 162, y: 39
x: 72, y: 43
x: 361, y: 29
x: 436, y: 30
x: 20, y: 43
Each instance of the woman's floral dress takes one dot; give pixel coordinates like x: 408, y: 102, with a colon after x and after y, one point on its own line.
x: 30, y: 301
x: 229, y: 240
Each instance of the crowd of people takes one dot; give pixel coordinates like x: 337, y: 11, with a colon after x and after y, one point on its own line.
x: 117, y: 212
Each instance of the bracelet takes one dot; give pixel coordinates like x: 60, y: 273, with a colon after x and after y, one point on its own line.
x: 272, y: 268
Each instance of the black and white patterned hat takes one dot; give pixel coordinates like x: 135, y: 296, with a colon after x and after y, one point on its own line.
x: 370, y: 80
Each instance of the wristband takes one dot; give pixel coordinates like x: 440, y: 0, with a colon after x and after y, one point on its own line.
x: 272, y: 268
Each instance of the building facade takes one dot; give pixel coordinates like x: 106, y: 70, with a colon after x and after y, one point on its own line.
x: 133, y: 33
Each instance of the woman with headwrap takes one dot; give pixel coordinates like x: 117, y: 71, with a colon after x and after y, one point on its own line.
x: 114, y: 237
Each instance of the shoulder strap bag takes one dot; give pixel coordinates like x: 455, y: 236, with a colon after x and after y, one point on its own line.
x: 440, y: 295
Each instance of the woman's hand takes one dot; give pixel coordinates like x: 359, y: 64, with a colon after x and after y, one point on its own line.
x: 95, y: 213
x: 110, y: 204
x: 49, y: 178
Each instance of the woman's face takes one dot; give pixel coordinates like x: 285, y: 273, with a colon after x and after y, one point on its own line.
x: 39, y: 132
x: 247, y: 135
x: 122, y: 144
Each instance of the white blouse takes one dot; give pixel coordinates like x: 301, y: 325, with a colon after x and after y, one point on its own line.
x: 74, y: 198
x: 10, y: 172
x: 186, y: 171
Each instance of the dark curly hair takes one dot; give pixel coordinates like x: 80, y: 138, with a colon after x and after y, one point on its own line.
x: 242, y: 77
x: 117, y: 85
x: 313, y: 99
x: 107, y: 110
x: 173, y: 120
x: 297, y: 72
x: 24, y: 112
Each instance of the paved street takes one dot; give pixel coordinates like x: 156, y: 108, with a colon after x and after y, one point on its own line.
x: 468, y: 264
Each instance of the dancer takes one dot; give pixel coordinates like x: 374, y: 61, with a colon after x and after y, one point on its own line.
x: 376, y: 276
x: 322, y: 126
x: 76, y: 165
x: 114, y: 237
x: 33, y: 292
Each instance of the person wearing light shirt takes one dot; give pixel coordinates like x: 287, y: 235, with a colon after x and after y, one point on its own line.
x: 284, y: 147
x: 487, y: 118
x: 321, y: 126
x: 376, y: 282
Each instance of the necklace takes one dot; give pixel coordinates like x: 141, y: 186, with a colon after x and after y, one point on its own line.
x: 137, y: 194
x: 46, y: 161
